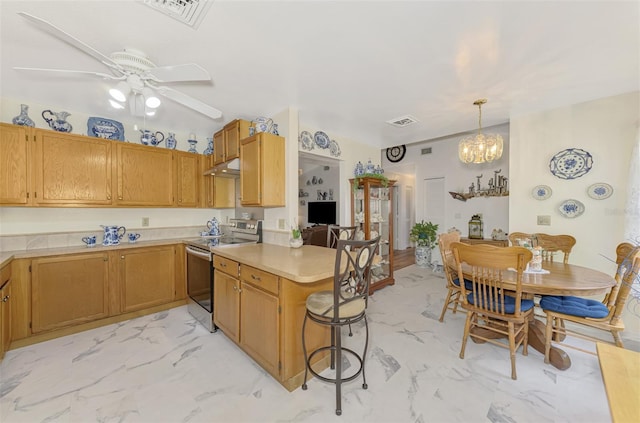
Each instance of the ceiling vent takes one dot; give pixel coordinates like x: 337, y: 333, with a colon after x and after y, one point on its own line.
x: 189, y: 12
x: 426, y: 150
x: 402, y: 121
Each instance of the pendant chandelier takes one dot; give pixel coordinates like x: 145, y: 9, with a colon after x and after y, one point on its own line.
x: 480, y: 148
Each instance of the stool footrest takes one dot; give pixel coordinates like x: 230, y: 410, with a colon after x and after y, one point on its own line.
x: 333, y: 380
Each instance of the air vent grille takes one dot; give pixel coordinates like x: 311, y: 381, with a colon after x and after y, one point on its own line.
x: 402, y: 121
x: 189, y: 12
x: 426, y: 150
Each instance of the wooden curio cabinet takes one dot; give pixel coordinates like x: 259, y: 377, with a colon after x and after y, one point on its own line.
x: 372, y: 213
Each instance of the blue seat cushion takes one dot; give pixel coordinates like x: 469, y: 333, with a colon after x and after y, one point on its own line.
x: 509, y: 303
x: 575, y: 306
x: 468, y: 285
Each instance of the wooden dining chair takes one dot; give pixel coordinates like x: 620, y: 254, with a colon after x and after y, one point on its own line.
x: 554, y: 243
x: 515, y: 237
x: 490, y: 305
x: 451, y: 301
x: 336, y: 233
x: 623, y: 252
x: 591, y: 313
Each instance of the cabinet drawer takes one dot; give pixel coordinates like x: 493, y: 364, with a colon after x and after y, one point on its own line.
x: 225, y: 265
x: 260, y: 279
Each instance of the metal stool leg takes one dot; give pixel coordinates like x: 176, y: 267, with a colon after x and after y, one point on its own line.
x: 304, y: 351
x: 338, y: 337
x: 364, y: 353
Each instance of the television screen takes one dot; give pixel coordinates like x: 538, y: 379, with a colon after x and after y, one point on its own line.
x: 321, y: 212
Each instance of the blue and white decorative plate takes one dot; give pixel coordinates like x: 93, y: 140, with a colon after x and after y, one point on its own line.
x: 334, y: 149
x: 571, y: 163
x: 105, y: 128
x: 541, y: 192
x: 306, y: 139
x: 322, y: 140
x: 571, y: 208
x: 600, y: 191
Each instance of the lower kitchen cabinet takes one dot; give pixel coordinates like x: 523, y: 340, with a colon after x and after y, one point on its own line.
x: 5, y: 309
x: 226, y: 297
x: 147, y: 277
x: 69, y: 290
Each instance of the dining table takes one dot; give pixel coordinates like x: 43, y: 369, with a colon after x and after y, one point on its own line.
x: 561, y: 279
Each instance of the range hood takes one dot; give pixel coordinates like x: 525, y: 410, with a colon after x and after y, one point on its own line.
x: 230, y: 169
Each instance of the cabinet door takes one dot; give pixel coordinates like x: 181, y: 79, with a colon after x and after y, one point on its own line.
x: 145, y: 175
x: 262, y: 171
x: 224, y: 192
x: 235, y: 131
x: 69, y: 290
x: 5, y: 309
x: 226, y: 304
x: 250, y: 172
x: 71, y: 169
x: 206, y: 181
x: 14, y: 170
x: 188, y: 179
x: 147, y: 277
x: 218, y: 147
x: 260, y: 327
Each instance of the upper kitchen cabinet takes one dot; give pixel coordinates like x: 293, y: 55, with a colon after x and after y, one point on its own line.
x: 262, y: 170
x: 145, y: 176
x: 227, y: 141
x: 216, y: 191
x: 71, y: 169
x: 189, y: 177
x: 15, y: 182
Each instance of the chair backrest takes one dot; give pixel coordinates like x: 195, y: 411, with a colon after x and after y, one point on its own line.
x: 444, y: 245
x: 336, y: 232
x: 631, y: 269
x: 623, y: 253
x: 352, y: 272
x: 515, y: 237
x: 488, y: 266
x: 553, y: 243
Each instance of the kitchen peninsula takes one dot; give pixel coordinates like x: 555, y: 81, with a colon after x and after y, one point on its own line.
x: 259, y: 303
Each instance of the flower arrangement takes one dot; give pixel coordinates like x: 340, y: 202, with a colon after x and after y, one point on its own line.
x: 424, y: 234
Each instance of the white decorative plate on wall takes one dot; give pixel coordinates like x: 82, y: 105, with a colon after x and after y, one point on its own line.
x: 600, y: 191
x: 571, y: 208
x: 541, y: 192
x: 571, y: 163
x: 322, y: 140
x: 306, y: 139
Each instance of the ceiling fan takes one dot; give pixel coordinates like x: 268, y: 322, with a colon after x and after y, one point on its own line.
x: 138, y: 76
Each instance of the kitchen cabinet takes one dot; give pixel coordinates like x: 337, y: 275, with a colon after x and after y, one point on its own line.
x: 218, y: 192
x: 226, y: 142
x: 188, y: 178
x: 147, y: 277
x: 5, y: 309
x: 69, y: 290
x: 145, y: 176
x: 262, y: 170
x: 372, y: 213
x: 260, y: 317
x: 71, y: 169
x: 226, y: 297
x: 15, y: 180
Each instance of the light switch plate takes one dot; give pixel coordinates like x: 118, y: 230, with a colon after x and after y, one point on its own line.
x: 544, y: 220
x: 280, y: 223
x: 145, y: 221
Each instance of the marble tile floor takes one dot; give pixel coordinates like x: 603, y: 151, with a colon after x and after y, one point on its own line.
x: 165, y: 367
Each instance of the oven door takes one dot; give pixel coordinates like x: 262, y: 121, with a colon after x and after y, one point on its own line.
x: 200, y: 277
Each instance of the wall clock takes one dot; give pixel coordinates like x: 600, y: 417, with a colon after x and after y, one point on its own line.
x: 395, y: 154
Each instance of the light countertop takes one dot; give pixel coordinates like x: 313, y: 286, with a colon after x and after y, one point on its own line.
x: 306, y: 264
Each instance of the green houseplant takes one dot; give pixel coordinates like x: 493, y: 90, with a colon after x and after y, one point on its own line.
x: 425, y: 235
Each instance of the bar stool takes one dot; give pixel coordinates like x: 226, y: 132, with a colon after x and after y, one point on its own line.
x: 336, y: 232
x: 344, y: 305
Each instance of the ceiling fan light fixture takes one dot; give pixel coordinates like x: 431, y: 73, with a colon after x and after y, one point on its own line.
x: 150, y: 99
x: 120, y: 91
x: 115, y: 104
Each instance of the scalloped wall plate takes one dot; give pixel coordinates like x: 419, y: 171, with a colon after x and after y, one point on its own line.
x: 571, y: 163
x: 571, y: 208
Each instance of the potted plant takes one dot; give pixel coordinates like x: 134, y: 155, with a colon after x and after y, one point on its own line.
x: 296, y: 237
x: 425, y: 235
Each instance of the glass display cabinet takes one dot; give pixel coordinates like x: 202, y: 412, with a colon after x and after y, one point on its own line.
x: 372, y: 213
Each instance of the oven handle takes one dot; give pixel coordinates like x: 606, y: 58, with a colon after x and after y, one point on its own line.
x: 198, y: 253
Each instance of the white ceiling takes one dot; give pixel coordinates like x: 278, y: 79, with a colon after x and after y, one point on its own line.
x: 347, y: 66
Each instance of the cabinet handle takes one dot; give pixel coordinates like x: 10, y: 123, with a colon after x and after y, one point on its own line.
x: 122, y: 257
x: 5, y: 299
x: 255, y: 278
x: 108, y: 197
x: 223, y: 264
x: 119, y: 197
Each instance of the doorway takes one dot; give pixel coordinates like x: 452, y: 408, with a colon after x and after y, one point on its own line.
x: 434, y: 200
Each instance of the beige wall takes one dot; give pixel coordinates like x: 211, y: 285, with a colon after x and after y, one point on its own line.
x: 606, y: 128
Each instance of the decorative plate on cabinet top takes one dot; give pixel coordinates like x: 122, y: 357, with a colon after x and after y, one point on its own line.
x: 600, y: 191
x: 541, y: 192
x: 571, y: 163
x: 105, y: 128
x: 334, y: 149
x: 571, y: 208
x: 306, y: 139
x: 322, y: 140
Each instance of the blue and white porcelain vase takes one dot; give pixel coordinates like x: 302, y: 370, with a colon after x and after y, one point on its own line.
x: 23, y: 118
x: 171, y: 141
x: 192, y: 146
x: 423, y: 256
x: 57, y: 120
x: 359, y: 169
x: 370, y: 168
x: 209, y: 150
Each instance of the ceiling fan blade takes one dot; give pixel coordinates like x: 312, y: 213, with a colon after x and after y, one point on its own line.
x: 57, y: 32
x: 179, y: 73
x: 76, y: 72
x: 188, y: 101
